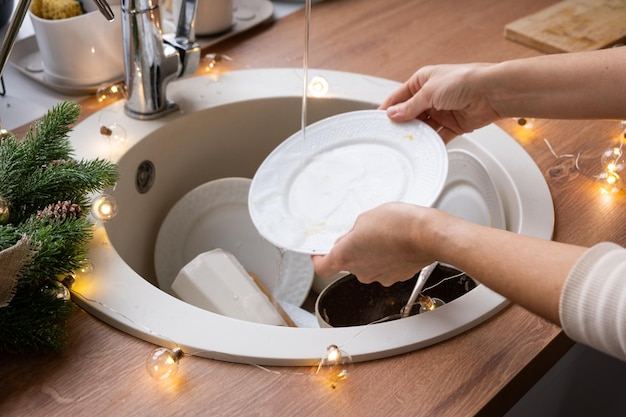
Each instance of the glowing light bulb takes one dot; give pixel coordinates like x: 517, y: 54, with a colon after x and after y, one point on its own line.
x: 86, y: 267
x: 111, y: 93
x: 613, y: 159
x: 335, y: 366
x: 114, y: 131
x: 318, y: 86
x: 610, y: 182
x: 211, y: 62
x: 429, y: 303
x: 526, y: 122
x: 162, y: 363
x: 63, y: 292
x: 104, y: 208
x: 57, y: 289
x: 612, y: 178
x: 68, y: 281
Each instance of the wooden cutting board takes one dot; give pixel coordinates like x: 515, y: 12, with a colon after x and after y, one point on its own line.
x: 572, y: 25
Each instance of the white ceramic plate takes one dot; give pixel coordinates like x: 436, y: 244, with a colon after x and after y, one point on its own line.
x: 470, y: 192
x: 215, y: 215
x: 311, y: 188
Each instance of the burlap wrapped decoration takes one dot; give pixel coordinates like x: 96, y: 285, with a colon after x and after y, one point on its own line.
x: 12, y: 260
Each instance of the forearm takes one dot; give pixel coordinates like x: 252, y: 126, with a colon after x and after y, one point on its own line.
x: 589, y: 85
x: 528, y: 271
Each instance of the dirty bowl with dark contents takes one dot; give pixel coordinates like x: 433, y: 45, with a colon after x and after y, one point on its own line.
x: 349, y: 302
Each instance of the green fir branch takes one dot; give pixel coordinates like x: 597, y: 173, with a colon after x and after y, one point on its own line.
x: 46, y: 191
x: 61, y: 248
x: 39, y: 169
x: 9, y: 236
x: 35, y: 322
x: 47, y: 138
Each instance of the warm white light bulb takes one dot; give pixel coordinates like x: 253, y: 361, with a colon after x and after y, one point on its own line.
x: 114, y: 132
x: 429, y: 303
x: 610, y: 182
x: 68, y: 281
x: 104, y: 207
x: 162, y: 363
x: 613, y: 159
x: 63, y: 292
x: 214, y: 63
x: 318, y: 86
x: 525, y: 122
x: 86, y: 268
x: 335, y: 366
x: 111, y: 93
x: 57, y: 290
x: 612, y: 178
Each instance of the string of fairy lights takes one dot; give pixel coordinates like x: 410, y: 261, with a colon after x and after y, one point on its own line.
x: 611, y: 162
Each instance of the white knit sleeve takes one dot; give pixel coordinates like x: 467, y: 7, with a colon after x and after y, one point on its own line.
x: 593, y: 301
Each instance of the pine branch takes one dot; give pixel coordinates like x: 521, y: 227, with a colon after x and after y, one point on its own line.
x: 46, y: 140
x: 9, y: 236
x: 46, y: 191
x: 62, y: 248
x: 35, y: 322
x: 40, y: 170
x: 63, y: 181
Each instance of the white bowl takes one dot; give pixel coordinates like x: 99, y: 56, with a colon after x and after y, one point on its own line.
x: 215, y: 216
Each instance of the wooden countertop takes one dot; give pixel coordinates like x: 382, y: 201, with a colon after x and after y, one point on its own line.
x: 484, y: 370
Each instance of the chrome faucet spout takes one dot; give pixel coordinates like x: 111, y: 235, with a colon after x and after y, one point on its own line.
x: 152, y: 59
x: 12, y: 31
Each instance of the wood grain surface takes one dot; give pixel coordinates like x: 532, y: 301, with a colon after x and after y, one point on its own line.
x: 571, y: 26
x: 483, y: 371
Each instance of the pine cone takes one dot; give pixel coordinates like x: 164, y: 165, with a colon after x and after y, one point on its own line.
x: 57, y: 162
x: 61, y: 211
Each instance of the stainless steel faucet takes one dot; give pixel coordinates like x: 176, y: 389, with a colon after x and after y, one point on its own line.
x: 152, y: 59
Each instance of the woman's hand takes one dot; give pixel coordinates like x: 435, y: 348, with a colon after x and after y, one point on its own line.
x: 384, y: 245
x: 392, y: 242
x: 452, y: 99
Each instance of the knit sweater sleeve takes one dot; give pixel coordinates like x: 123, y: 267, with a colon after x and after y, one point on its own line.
x: 593, y: 301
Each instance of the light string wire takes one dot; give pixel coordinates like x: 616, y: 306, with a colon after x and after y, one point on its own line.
x: 562, y: 156
x: 602, y: 176
x: 125, y: 317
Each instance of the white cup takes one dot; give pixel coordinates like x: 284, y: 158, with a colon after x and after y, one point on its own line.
x: 81, y: 51
x: 212, y: 16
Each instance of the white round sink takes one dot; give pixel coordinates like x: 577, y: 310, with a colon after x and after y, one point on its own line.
x: 226, y: 127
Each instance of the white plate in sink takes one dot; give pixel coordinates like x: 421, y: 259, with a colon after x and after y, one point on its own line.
x: 470, y: 192
x: 215, y: 215
x: 311, y: 188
